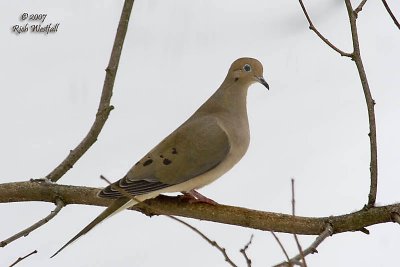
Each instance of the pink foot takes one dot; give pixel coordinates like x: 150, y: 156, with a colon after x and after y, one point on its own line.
x: 193, y: 196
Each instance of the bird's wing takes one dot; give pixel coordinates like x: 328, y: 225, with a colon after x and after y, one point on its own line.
x: 115, y: 206
x: 196, y: 147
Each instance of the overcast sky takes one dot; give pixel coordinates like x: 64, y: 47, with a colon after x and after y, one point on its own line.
x: 312, y: 125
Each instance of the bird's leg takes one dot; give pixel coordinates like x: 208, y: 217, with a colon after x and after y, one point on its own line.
x: 193, y: 196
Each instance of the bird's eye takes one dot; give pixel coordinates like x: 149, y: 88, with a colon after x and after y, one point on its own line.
x: 247, y: 68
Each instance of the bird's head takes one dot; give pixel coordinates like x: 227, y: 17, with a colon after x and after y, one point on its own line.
x: 247, y: 71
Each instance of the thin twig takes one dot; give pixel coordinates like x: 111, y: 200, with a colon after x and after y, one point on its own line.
x: 157, y: 211
x: 27, y: 231
x: 326, y: 41
x: 287, y: 264
x: 391, y: 14
x: 302, y: 256
x: 311, y: 249
x: 295, y: 235
x: 281, y: 245
x: 212, y: 243
x: 293, y: 198
x: 370, y: 106
x: 360, y: 7
x: 22, y: 258
x: 243, y: 251
x: 104, y: 108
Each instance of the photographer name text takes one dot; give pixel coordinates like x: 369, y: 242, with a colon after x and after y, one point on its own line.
x: 37, y: 27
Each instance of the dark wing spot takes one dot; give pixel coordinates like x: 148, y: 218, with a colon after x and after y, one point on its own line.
x: 166, y: 162
x: 148, y: 162
x: 236, y: 79
x: 161, y: 156
x: 174, y: 151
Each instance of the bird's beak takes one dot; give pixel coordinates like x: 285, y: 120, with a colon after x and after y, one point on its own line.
x: 262, y: 81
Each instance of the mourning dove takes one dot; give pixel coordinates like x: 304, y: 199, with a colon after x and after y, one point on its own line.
x: 198, y: 152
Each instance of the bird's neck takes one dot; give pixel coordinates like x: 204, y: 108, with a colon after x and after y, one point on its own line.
x: 231, y: 97
x: 228, y: 104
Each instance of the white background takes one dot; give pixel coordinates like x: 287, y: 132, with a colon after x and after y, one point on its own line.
x: 312, y: 125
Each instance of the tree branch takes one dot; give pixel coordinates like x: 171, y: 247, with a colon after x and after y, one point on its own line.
x: 326, y: 41
x: 35, y: 226
x: 391, y: 14
x: 302, y: 256
x: 370, y: 105
x: 243, y: 251
x: 22, y: 258
x: 266, y: 221
x: 311, y: 249
x: 360, y: 7
x: 104, y: 108
x: 356, y: 57
x: 212, y: 243
x: 281, y: 245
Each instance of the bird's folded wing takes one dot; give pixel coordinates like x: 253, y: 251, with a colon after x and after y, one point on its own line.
x: 196, y: 147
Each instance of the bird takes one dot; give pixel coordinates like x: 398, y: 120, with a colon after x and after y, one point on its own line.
x: 202, y: 149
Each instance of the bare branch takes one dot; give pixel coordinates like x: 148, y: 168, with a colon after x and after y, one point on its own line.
x: 303, y: 262
x: 104, y: 108
x: 266, y: 221
x: 370, y: 106
x: 364, y: 230
x: 281, y: 245
x: 243, y: 251
x: 326, y: 41
x: 311, y: 249
x: 295, y: 236
x: 212, y: 243
x: 22, y: 258
x: 27, y: 231
x: 360, y: 7
x: 356, y: 57
x: 391, y: 14
x: 293, y: 198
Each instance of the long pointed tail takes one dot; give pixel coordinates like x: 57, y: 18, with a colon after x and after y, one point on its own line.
x: 113, y: 208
